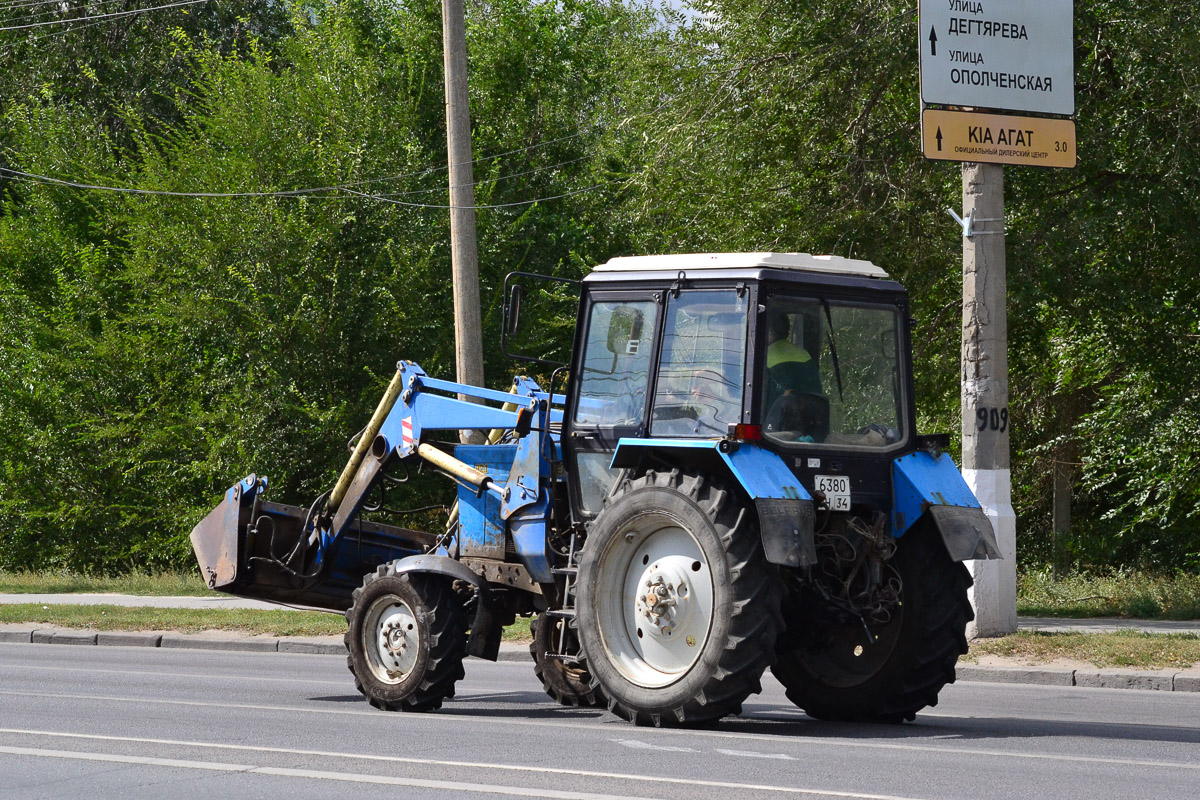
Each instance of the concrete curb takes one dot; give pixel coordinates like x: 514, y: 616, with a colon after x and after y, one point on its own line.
x: 1029, y: 675
x: 304, y: 645
x: 1152, y: 680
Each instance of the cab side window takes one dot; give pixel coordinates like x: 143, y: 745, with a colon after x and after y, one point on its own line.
x: 701, y: 374
x: 616, y: 364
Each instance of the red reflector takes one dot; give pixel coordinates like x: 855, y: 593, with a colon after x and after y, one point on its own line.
x: 748, y: 433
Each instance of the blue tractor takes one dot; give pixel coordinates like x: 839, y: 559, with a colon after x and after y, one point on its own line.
x: 731, y: 481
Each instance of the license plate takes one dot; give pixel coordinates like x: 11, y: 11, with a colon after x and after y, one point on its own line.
x: 836, y: 489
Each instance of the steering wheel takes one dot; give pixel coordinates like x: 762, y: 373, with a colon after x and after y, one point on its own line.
x: 800, y: 412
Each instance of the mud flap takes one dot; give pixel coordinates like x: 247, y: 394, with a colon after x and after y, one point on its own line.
x: 787, y: 531
x: 925, y: 484
x: 966, y: 532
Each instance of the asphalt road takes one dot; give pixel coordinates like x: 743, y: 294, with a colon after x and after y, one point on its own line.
x: 114, y: 722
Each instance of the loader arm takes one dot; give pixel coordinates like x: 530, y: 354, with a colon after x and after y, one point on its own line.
x: 316, y: 555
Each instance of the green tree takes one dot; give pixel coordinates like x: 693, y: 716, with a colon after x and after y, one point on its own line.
x: 168, y: 344
x: 793, y: 125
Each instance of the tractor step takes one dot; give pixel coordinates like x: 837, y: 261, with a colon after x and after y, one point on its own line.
x: 561, y: 613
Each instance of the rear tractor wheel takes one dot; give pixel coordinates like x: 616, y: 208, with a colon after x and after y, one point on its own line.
x: 888, y: 655
x: 565, y: 680
x: 406, y: 641
x: 677, y: 607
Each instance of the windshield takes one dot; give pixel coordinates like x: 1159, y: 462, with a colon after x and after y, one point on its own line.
x: 831, y: 373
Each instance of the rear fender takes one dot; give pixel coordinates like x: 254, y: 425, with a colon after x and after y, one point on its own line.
x: 484, y: 640
x: 928, y: 486
x: 785, y: 509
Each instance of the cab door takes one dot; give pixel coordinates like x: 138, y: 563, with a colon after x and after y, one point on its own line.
x: 614, y: 359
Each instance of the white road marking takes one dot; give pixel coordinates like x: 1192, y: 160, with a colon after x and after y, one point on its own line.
x: 654, y: 779
x: 188, y: 675
x: 754, y: 754
x: 640, y: 745
x: 691, y: 735
x: 350, y: 777
x: 201, y: 703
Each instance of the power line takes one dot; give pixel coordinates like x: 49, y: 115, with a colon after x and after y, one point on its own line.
x: 30, y: 39
x: 30, y: 13
x: 318, y: 190
x: 101, y: 16
x: 294, y: 193
x: 513, y: 204
x: 35, y: 178
x: 484, y: 181
x: 30, y: 3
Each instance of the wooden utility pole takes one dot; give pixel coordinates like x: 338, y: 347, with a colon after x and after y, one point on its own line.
x: 464, y: 251
x: 985, y: 67
x: 985, y: 417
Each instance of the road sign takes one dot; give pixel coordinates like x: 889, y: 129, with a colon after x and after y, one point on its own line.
x: 1014, y: 55
x: 998, y: 138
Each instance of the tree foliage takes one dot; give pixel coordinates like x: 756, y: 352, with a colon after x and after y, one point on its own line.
x: 794, y: 125
x: 162, y: 346
x: 158, y: 347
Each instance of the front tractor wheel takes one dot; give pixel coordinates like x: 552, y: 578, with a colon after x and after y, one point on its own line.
x: 677, y: 607
x: 406, y: 640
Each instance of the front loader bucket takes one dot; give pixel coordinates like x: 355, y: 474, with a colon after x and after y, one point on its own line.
x: 251, y: 548
x: 215, y: 538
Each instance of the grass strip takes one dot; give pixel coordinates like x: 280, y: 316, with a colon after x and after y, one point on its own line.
x: 267, y: 622
x: 155, y: 584
x: 272, y: 622
x: 1109, y: 594
x: 1039, y: 593
x: 1118, y: 649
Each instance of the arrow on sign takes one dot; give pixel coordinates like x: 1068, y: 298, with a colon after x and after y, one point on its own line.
x: 932, y: 41
x: 939, y: 138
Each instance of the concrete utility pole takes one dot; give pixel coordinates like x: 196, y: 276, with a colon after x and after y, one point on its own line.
x: 985, y: 416
x: 464, y: 252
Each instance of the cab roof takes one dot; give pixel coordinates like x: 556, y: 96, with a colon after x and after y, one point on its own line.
x: 726, y: 261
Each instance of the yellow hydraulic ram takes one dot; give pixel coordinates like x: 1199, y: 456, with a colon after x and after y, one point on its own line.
x: 364, y: 442
x: 450, y: 464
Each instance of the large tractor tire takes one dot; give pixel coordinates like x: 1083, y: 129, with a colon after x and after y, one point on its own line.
x: 677, y: 608
x: 406, y: 641
x: 839, y: 675
x: 567, y: 682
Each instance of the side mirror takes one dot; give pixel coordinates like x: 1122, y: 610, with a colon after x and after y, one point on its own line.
x: 550, y: 305
x: 887, y: 344
x: 512, y: 310
x: 625, y: 331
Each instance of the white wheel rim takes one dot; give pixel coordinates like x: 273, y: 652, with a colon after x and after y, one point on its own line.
x: 391, y: 639
x: 655, y: 593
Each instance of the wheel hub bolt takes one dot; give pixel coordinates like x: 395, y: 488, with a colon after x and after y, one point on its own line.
x: 395, y: 638
x: 657, y: 604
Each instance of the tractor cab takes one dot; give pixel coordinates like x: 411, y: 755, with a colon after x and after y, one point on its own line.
x: 801, y: 354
